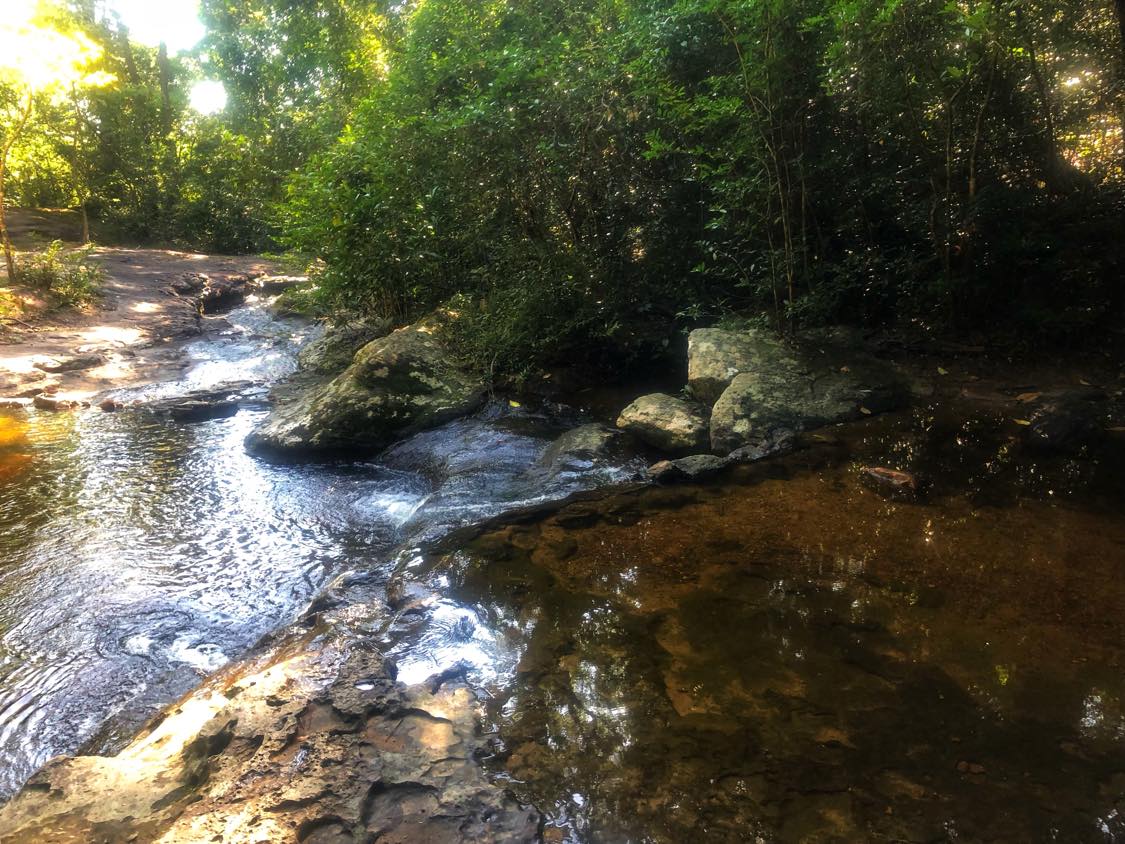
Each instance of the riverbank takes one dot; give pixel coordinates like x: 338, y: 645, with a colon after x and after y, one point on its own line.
x: 132, y: 335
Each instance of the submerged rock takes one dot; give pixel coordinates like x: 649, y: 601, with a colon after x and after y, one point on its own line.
x: 580, y: 445
x: 1067, y: 422
x: 665, y: 423
x: 693, y: 468
x: 395, y: 386
x: 772, y: 388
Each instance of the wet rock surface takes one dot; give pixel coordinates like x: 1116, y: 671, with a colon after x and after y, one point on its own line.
x: 395, y: 386
x: 579, y: 447
x: 666, y: 423
x: 314, y: 742
x: 693, y: 468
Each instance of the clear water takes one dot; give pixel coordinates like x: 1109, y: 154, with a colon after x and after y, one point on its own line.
x: 785, y: 656
x: 137, y: 554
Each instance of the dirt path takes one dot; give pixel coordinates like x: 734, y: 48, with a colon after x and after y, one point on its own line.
x: 133, y: 335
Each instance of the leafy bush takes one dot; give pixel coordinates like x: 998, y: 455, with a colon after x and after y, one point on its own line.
x: 67, y: 277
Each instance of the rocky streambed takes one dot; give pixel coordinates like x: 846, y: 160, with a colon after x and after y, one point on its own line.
x: 877, y: 603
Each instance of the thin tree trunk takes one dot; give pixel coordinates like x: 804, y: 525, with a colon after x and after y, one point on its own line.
x: 9, y: 254
x: 1119, y: 5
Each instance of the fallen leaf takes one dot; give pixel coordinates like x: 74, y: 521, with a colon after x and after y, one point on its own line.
x: 1026, y: 397
x: 512, y: 403
x: 1084, y: 382
x: 1021, y: 421
x: 941, y: 371
x: 865, y: 411
x: 845, y: 369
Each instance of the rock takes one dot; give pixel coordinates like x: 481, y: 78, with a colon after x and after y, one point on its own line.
x: 333, y: 352
x: 188, y: 284
x: 301, y: 744
x: 716, y: 356
x: 779, y: 389
x: 779, y: 442
x: 202, y: 411
x: 70, y: 364
x: 1066, y: 422
x: 57, y: 404
x: 215, y: 294
x: 198, y: 405
x: 692, y: 468
x: 580, y: 445
x: 14, y: 404
x: 666, y: 423
x: 891, y: 483
x: 395, y: 386
x: 109, y: 405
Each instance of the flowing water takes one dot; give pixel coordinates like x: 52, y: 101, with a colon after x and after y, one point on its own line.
x: 137, y: 555
x: 782, y: 655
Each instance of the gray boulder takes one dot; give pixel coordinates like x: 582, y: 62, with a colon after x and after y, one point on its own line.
x: 333, y: 351
x: 395, y: 386
x: 716, y: 356
x: 666, y: 423
x: 772, y: 388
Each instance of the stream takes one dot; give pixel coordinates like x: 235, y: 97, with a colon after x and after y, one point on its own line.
x: 138, y: 554
x: 780, y: 655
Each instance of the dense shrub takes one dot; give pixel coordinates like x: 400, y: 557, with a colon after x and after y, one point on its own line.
x: 66, y: 276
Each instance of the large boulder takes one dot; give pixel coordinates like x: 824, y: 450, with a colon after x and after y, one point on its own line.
x: 395, y: 386
x: 333, y: 352
x: 716, y: 356
x: 775, y: 389
x: 666, y: 423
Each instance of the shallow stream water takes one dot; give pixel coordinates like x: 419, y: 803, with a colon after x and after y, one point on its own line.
x: 138, y: 554
x: 781, y: 655
x: 786, y: 656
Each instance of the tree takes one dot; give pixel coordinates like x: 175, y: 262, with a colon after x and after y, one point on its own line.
x: 42, y: 57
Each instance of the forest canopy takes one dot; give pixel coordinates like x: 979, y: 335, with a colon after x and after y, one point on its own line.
x: 590, y: 175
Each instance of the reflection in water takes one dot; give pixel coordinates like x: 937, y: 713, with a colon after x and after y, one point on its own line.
x: 789, y: 657
x: 137, y: 554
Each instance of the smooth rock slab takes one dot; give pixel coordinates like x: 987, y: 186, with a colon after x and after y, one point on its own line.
x: 716, y: 356
x: 665, y: 423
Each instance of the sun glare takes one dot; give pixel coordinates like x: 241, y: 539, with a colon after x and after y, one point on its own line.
x: 208, y: 97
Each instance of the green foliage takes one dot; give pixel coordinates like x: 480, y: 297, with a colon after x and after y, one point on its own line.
x: 68, y: 277
x: 586, y: 178
x: 306, y: 300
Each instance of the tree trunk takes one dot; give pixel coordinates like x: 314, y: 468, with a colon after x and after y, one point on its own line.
x: 165, y: 87
x: 1120, y: 6
x: 9, y: 253
x: 9, y: 258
